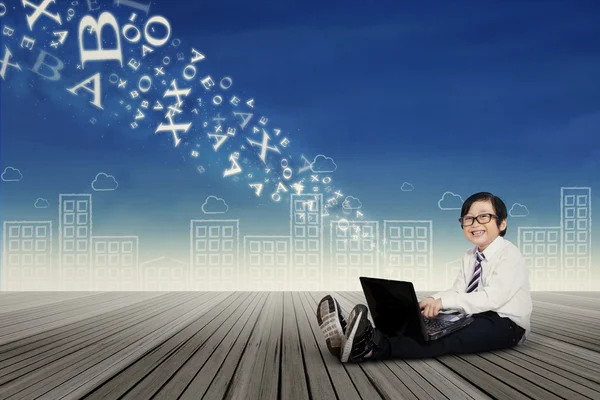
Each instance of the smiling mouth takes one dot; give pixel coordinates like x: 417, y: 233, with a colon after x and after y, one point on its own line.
x: 477, y: 233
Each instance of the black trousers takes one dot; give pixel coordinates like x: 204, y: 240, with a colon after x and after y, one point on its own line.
x: 487, y: 332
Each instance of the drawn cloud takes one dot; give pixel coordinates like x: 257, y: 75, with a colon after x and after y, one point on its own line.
x: 518, y: 210
x: 351, y: 203
x: 407, y: 187
x: 11, y: 174
x: 214, y: 205
x: 450, y: 201
x: 104, y: 182
x: 323, y: 164
x: 41, y: 203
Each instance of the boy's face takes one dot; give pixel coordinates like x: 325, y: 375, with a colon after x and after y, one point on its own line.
x: 482, y: 234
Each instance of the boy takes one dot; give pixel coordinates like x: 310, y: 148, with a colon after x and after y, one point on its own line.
x: 493, y: 285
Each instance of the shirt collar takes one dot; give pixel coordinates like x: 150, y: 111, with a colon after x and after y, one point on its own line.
x: 492, y: 249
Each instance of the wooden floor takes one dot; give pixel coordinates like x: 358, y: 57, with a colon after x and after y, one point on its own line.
x: 253, y: 345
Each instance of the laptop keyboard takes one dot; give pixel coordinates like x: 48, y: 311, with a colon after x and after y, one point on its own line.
x: 435, y: 325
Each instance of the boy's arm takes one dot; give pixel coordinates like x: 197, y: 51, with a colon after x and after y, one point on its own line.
x: 507, y: 278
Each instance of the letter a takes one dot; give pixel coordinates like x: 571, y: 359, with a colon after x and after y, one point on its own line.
x: 257, y: 188
x: 235, y: 168
x: 106, y: 18
x: 96, y: 89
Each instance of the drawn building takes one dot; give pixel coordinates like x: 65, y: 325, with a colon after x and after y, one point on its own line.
x: 115, y: 263
x: 27, y: 256
x: 164, y: 274
x: 267, y: 261
x: 576, y: 236
x: 451, y: 271
x: 540, y: 247
x: 214, y: 254
x: 408, y: 251
x: 74, y: 240
x: 354, y: 253
x: 306, y: 232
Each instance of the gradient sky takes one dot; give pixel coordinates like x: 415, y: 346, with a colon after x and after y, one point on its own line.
x: 460, y: 97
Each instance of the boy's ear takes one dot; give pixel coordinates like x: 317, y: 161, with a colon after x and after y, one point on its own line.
x: 503, y: 225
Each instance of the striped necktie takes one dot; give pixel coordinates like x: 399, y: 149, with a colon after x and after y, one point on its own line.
x: 476, y: 279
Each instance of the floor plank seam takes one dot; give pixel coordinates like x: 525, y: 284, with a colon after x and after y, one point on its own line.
x: 226, y: 395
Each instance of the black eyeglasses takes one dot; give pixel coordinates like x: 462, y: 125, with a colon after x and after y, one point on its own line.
x: 481, y: 218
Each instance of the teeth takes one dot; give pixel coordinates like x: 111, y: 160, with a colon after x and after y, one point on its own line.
x: 478, y: 233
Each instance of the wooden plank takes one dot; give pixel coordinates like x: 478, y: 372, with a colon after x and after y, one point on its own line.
x: 581, y: 332
x: 595, y: 295
x: 573, y: 350
x: 48, y: 338
x: 536, y: 376
x: 148, y: 374
x: 413, y: 381
x: 11, y: 372
x: 242, y: 378
x: 153, y: 355
x: 319, y: 384
x: 30, y: 361
x: 542, y: 305
x: 10, y: 303
x: 565, y: 361
x: 23, y: 316
x: 219, y: 357
x: 563, y: 319
x: 270, y: 386
x: 566, y: 375
x: 566, y: 299
x: 509, y: 377
x: 584, y: 317
x: 45, y: 324
x: 389, y: 385
x: 220, y: 368
x: 484, y: 381
x: 114, y: 352
x: 197, y: 373
x: 346, y: 377
x: 561, y: 334
x: 447, y: 380
x: 293, y: 374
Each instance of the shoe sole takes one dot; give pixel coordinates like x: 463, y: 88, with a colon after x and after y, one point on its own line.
x: 327, y: 317
x: 353, y: 327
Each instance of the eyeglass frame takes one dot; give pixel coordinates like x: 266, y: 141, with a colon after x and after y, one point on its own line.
x: 476, y: 218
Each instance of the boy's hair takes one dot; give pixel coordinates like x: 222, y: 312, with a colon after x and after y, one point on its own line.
x: 499, y: 207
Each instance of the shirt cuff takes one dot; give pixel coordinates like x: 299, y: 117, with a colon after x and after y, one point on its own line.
x: 448, y: 301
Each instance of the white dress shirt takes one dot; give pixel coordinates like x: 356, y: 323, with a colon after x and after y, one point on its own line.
x: 505, y: 285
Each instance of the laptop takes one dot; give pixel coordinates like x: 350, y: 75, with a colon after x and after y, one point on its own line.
x: 395, y: 311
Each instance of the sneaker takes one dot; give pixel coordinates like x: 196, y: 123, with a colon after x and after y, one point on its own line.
x: 358, y: 341
x: 332, y: 323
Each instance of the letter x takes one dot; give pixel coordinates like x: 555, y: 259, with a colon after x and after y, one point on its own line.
x: 39, y: 11
x: 175, y: 92
x: 264, y: 146
x: 5, y: 63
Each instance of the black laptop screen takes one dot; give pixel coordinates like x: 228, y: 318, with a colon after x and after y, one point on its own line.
x: 393, y: 306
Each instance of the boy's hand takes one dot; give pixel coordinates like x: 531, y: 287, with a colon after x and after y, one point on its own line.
x: 430, y: 307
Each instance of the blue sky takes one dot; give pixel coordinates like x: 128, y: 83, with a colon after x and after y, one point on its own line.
x: 458, y: 97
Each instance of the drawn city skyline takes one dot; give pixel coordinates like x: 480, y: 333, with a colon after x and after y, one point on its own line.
x: 220, y: 258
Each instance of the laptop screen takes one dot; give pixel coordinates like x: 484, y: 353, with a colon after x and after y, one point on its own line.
x: 394, y: 307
